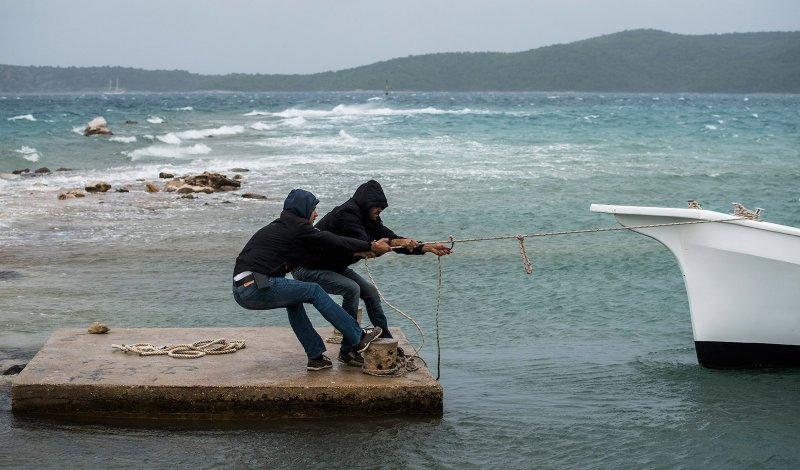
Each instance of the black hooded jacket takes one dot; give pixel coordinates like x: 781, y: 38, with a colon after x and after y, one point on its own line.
x: 351, y: 219
x: 288, y: 240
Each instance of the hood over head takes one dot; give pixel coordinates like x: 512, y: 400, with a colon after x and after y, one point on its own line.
x: 370, y: 194
x: 301, y: 203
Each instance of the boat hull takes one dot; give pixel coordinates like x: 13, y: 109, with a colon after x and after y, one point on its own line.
x: 742, y: 280
x: 723, y: 355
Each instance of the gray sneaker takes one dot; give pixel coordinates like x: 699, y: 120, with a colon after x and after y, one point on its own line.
x: 367, y: 336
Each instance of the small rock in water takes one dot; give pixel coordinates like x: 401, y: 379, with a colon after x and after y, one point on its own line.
x: 97, y: 126
x: 71, y: 194
x: 15, y: 369
x: 151, y: 187
x: 253, y: 196
x: 98, y: 187
x: 98, y: 328
x: 4, y: 275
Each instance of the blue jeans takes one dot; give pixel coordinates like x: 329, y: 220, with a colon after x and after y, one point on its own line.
x: 351, y: 287
x: 292, y: 294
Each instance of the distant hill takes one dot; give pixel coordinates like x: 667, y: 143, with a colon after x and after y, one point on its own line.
x: 629, y: 61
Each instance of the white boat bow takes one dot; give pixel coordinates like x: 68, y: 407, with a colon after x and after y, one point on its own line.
x: 742, y: 279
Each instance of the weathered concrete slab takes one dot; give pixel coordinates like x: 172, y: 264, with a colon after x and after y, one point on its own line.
x: 81, y: 375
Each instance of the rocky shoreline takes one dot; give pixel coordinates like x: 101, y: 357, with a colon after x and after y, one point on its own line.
x: 187, y: 186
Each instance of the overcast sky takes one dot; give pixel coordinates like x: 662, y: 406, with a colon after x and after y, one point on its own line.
x: 307, y: 36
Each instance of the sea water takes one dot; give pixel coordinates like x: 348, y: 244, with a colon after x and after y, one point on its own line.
x: 586, y: 363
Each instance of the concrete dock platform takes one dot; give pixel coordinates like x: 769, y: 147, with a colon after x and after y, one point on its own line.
x: 81, y: 375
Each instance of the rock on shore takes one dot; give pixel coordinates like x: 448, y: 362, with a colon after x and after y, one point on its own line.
x: 207, y: 182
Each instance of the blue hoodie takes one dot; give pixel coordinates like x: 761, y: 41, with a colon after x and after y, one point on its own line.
x: 300, y: 202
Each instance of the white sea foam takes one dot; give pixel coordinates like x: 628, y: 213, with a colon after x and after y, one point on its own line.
x: 170, y: 138
x: 347, y: 137
x: 24, y: 117
x: 293, y: 142
x: 163, y: 151
x: 124, y: 140
x: 186, y: 108
x: 29, y: 153
x: 260, y: 126
x: 155, y: 120
x: 177, y: 137
x: 297, y: 121
x: 203, y: 133
x: 257, y: 113
x: 78, y: 130
x: 711, y: 127
x: 346, y: 110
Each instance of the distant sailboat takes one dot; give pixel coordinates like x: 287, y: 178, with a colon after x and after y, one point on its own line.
x: 115, y: 90
x: 386, y: 88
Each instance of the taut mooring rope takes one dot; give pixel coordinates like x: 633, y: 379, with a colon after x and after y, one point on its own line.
x: 521, y: 237
x: 452, y: 240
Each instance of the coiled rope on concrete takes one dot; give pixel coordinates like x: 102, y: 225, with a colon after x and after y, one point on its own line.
x: 184, y: 351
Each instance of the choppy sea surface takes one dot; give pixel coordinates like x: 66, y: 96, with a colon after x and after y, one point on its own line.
x: 587, y: 363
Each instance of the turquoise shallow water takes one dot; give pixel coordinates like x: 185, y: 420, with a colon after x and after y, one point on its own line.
x: 588, y: 363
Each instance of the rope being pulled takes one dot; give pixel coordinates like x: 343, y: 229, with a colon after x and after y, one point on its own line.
x: 452, y: 240
x: 184, y: 351
x: 521, y: 237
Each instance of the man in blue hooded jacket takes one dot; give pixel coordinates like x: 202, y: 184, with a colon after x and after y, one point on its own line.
x: 359, y: 218
x: 260, y: 283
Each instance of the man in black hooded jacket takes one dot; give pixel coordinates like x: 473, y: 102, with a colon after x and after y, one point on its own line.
x: 358, y: 218
x: 260, y: 283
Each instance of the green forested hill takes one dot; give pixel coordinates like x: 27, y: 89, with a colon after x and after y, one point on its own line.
x: 630, y: 61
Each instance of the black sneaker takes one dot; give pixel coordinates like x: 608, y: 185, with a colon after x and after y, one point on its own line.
x: 367, y: 336
x: 318, y: 363
x: 351, y: 358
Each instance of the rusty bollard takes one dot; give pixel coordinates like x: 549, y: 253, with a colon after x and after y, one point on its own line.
x: 381, y: 357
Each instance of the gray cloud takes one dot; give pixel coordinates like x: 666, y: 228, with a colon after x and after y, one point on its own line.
x: 283, y: 36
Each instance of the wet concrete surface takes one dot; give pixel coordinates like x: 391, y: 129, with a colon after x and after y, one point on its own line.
x: 81, y: 375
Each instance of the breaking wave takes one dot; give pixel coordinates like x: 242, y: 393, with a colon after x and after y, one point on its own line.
x: 164, y: 151
x: 24, y: 117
